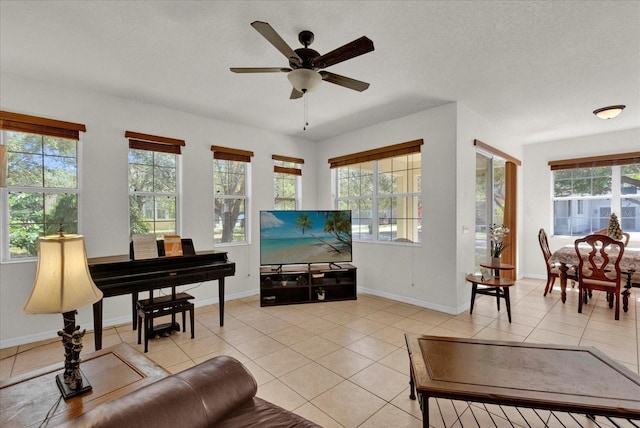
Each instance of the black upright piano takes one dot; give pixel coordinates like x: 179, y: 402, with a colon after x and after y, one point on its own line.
x: 120, y: 275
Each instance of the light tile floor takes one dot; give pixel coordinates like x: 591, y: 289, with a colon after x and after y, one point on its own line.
x: 344, y: 364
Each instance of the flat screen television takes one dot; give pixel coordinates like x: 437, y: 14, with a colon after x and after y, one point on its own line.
x: 301, y: 237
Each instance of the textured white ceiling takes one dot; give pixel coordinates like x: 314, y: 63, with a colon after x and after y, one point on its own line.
x: 536, y: 69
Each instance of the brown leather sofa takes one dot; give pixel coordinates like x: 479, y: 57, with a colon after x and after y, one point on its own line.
x: 219, y: 392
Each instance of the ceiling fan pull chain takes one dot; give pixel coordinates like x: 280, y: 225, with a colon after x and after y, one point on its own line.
x: 306, y: 110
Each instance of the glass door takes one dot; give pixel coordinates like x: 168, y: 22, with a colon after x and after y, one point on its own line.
x: 490, y: 201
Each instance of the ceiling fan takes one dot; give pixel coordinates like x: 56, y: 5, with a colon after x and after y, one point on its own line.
x: 304, y: 63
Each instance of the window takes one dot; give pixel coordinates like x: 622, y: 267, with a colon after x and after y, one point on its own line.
x: 630, y: 197
x: 41, y: 178
x: 490, y: 200
x: 586, y: 192
x: 286, y: 181
x: 382, y: 188
x: 230, y: 199
x: 153, y: 184
x: 355, y: 192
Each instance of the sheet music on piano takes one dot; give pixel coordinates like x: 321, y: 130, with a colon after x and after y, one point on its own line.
x: 145, y: 247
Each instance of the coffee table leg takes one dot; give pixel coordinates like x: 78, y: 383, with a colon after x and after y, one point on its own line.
x: 412, y: 385
x: 424, y: 404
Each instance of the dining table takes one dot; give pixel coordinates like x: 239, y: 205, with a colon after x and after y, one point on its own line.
x: 566, y: 257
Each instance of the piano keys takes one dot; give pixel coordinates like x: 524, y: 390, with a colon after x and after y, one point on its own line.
x: 119, y: 275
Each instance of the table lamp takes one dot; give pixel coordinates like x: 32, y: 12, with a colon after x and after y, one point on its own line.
x: 63, y: 285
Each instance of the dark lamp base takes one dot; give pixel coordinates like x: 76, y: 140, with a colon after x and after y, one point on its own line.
x: 67, y: 392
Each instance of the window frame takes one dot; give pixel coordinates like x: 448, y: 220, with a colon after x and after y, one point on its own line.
x: 227, y: 154
x: 26, y: 124
x: 614, y: 192
x: 156, y: 145
x: 373, y: 158
x: 287, y: 168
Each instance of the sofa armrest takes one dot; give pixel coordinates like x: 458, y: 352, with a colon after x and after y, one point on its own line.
x: 160, y: 405
x: 222, y: 383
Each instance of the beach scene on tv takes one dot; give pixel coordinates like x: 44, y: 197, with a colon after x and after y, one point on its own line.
x: 292, y: 237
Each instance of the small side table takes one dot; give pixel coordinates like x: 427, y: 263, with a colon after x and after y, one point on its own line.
x: 494, y: 286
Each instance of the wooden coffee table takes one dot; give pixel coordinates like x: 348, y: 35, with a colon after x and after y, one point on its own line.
x: 563, y: 378
x: 26, y: 400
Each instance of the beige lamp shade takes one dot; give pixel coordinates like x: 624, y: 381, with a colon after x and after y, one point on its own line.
x: 63, y: 282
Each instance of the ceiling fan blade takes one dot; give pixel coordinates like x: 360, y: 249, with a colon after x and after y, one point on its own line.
x: 350, y: 50
x: 295, y: 94
x: 347, y: 82
x: 260, y: 69
x: 274, y: 38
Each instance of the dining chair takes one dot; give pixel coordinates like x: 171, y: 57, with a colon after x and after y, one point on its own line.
x: 599, y: 268
x: 625, y: 236
x: 553, y: 271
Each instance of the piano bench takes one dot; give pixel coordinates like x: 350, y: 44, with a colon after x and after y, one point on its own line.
x: 149, y: 309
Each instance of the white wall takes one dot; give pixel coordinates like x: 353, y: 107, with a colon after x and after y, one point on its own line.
x: 472, y: 126
x: 538, y: 209
x: 432, y: 275
x: 104, y: 197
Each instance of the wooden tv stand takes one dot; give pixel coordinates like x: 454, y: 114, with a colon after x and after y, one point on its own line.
x: 300, y: 283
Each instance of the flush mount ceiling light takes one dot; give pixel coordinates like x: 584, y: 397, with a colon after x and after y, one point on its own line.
x: 609, y: 112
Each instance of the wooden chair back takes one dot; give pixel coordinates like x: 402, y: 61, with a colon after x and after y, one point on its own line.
x: 546, y: 253
x: 599, y: 269
x: 599, y: 257
x: 544, y: 246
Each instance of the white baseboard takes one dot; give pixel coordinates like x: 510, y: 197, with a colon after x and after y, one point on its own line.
x: 416, y: 302
x: 534, y: 276
x: 53, y: 334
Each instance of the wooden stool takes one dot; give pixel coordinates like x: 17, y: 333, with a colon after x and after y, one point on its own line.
x: 492, y: 287
x: 149, y: 309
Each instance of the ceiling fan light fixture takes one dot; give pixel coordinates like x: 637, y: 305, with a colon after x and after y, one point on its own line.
x: 609, y: 112
x: 304, y: 80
